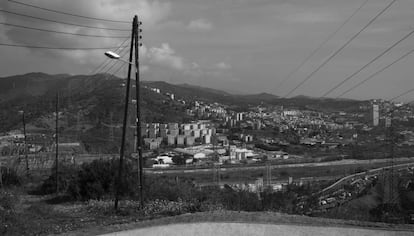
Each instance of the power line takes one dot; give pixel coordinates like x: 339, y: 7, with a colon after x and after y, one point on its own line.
x: 101, y: 66
x: 105, y: 63
x: 341, y: 48
x: 66, y: 13
x: 117, y: 61
x: 61, y: 22
x: 122, y: 66
x: 107, y: 60
x: 369, y: 63
x: 116, y: 71
x: 53, y: 48
x: 114, y: 61
x: 376, y: 73
x: 60, y: 32
x: 402, y: 94
x: 322, y: 44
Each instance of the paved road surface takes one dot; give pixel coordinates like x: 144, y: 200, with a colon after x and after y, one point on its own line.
x: 260, y: 167
x: 225, y: 229
x: 372, y: 171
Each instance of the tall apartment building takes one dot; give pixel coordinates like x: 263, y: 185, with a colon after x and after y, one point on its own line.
x: 375, y: 115
x: 239, y: 116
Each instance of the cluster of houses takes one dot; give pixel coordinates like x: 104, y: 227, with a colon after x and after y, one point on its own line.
x: 205, y: 154
x: 13, y: 142
x: 177, y: 135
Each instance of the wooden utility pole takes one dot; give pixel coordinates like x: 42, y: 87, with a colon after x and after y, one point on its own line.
x: 137, y: 38
x: 119, y: 180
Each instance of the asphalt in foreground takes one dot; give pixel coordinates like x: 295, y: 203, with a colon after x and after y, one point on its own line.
x: 253, y: 223
x: 225, y: 229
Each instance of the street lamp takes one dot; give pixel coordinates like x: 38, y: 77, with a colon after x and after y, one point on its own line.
x: 113, y: 55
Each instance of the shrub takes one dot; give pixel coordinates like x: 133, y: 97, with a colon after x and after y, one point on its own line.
x: 66, y: 175
x: 171, y: 189
x: 151, y: 208
x: 96, y: 180
x: 170, y: 208
x: 8, y: 201
x: 104, y: 207
x: 10, y: 177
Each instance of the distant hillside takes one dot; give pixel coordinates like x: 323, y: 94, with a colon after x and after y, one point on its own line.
x: 199, y: 88
x: 322, y: 104
x: 92, y: 106
x: 189, y: 92
x: 193, y: 92
x: 262, y: 97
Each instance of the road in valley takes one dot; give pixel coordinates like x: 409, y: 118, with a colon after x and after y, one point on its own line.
x: 259, y: 167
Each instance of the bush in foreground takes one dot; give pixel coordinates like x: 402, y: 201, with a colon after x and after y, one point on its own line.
x: 151, y: 208
x: 8, y: 201
x: 9, y: 177
x: 98, y: 179
x: 66, y: 175
x: 95, y: 180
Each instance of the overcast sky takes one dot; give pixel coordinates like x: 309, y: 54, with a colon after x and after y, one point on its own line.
x: 237, y: 45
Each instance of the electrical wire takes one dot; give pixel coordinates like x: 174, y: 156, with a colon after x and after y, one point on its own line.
x: 66, y: 13
x: 116, y: 71
x: 60, y: 32
x: 376, y: 73
x: 369, y: 63
x: 321, y: 45
x: 116, y: 61
x: 402, y: 94
x: 53, y: 48
x: 341, y: 48
x: 105, y: 63
x: 107, y: 59
x: 113, y: 61
x: 61, y: 22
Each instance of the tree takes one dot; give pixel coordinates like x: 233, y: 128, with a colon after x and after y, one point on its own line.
x: 5, y: 151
